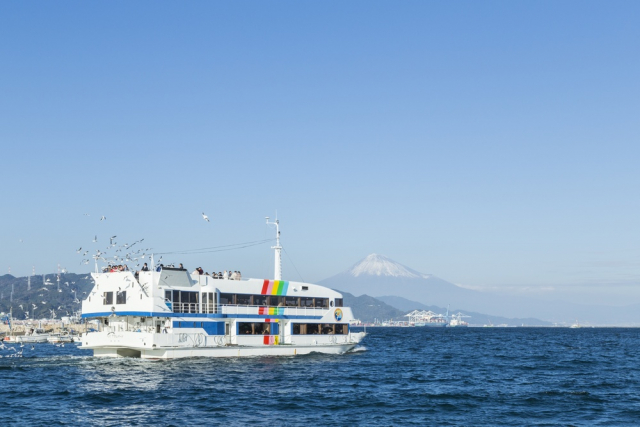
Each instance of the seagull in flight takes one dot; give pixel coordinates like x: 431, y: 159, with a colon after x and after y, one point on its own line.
x: 78, y: 251
x: 102, y: 218
x: 206, y: 218
x: 95, y: 239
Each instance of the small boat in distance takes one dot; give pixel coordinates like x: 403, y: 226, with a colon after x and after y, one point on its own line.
x: 457, y: 322
x: 426, y: 318
x: 33, y: 335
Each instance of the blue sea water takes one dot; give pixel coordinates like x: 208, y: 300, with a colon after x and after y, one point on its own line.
x: 399, y: 376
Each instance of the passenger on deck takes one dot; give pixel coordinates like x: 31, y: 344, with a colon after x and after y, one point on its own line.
x: 225, y: 275
x: 181, y: 267
x: 159, y: 268
x: 239, y: 276
x: 144, y: 267
x: 233, y: 276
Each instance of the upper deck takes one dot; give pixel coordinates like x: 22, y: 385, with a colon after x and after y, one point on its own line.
x: 174, y: 292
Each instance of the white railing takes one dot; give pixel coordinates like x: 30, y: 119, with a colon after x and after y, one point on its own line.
x: 283, y: 310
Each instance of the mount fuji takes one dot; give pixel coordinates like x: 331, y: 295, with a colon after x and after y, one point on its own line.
x: 379, y: 276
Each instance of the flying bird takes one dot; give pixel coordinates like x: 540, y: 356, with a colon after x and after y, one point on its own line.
x: 206, y: 218
x: 78, y: 251
x: 102, y: 218
x: 95, y: 239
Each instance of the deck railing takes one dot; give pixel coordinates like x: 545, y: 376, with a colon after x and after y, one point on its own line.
x: 270, y: 310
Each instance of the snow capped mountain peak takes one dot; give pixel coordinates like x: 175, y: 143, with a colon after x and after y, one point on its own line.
x: 380, y: 265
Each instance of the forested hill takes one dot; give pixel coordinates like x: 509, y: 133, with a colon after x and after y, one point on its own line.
x: 46, y: 294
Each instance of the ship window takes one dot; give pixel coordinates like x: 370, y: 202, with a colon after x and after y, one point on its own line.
x: 107, y: 298
x: 259, y: 300
x: 322, y: 302
x: 243, y: 299
x: 121, y: 297
x: 257, y: 328
x: 342, y: 329
x: 306, y: 302
x: 273, y: 300
x: 167, y: 296
x: 226, y: 299
x: 339, y: 302
x: 207, y: 302
x: 291, y: 301
x: 319, y: 329
x: 185, y: 302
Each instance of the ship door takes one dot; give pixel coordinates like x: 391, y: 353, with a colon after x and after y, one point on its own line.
x: 158, y: 326
x: 227, y: 332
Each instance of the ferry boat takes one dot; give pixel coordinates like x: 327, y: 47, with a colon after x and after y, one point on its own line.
x: 170, y: 313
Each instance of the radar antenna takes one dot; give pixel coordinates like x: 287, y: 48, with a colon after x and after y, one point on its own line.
x: 278, y: 263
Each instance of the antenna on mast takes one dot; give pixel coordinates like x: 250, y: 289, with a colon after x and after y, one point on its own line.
x: 278, y: 264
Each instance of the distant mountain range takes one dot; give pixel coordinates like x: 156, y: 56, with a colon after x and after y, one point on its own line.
x: 46, y: 294
x: 376, y: 288
x: 384, y: 278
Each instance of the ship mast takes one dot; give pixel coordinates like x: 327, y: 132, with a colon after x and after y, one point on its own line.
x: 278, y: 264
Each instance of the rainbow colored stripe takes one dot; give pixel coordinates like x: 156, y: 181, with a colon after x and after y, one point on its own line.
x: 271, y: 311
x: 270, y: 340
x: 275, y: 287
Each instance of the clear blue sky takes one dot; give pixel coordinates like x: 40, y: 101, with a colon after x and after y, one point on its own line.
x: 494, y: 144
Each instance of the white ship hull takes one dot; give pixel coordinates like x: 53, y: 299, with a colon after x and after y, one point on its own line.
x: 148, y: 345
x: 223, y: 351
x: 33, y: 339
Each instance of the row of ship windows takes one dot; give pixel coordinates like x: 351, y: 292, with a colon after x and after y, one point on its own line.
x: 182, y: 298
x: 261, y: 328
x: 190, y: 297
